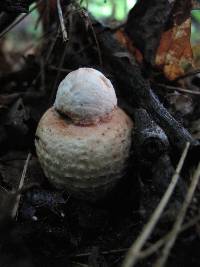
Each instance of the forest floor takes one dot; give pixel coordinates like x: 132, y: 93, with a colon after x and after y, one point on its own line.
x: 51, y: 228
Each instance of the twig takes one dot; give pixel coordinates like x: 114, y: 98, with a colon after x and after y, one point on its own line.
x: 6, y: 19
x: 154, y: 247
x: 134, y: 251
x: 182, y: 90
x: 38, y: 40
x: 78, y: 264
x: 60, y: 69
x: 179, y: 220
x: 18, y: 20
x: 148, y: 251
x: 21, y: 183
x: 62, y: 23
x: 112, y: 251
x: 52, y: 45
x: 58, y: 75
x: 48, y: 54
x: 191, y: 73
x: 40, y: 17
x: 97, y: 42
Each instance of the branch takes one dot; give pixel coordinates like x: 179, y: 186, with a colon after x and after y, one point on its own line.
x: 138, y: 90
x: 62, y: 23
x: 150, y: 139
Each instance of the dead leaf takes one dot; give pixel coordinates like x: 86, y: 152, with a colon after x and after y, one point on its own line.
x: 174, y: 54
x: 126, y: 42
x: 161, y: 32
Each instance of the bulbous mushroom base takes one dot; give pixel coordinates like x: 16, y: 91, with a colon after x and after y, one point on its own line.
x: 85, y: 160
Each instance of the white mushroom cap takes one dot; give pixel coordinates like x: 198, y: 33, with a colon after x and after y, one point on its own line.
x: 86, y: 96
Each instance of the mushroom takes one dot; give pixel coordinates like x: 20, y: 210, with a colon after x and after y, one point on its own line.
x: 83, y: 141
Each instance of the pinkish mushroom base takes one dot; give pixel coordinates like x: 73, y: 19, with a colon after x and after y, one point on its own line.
x: 87, y: 160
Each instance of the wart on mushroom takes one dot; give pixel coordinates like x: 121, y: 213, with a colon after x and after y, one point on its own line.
x: 83, y: 141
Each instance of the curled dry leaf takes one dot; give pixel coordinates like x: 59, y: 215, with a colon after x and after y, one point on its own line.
x: 160, y: 35
x: 174, y: 54
x: 124, y: 40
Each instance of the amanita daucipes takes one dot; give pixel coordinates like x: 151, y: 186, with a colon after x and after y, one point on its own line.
x: 83, y: 141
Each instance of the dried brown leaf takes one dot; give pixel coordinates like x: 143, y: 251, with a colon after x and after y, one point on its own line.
x: 174, y: 54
